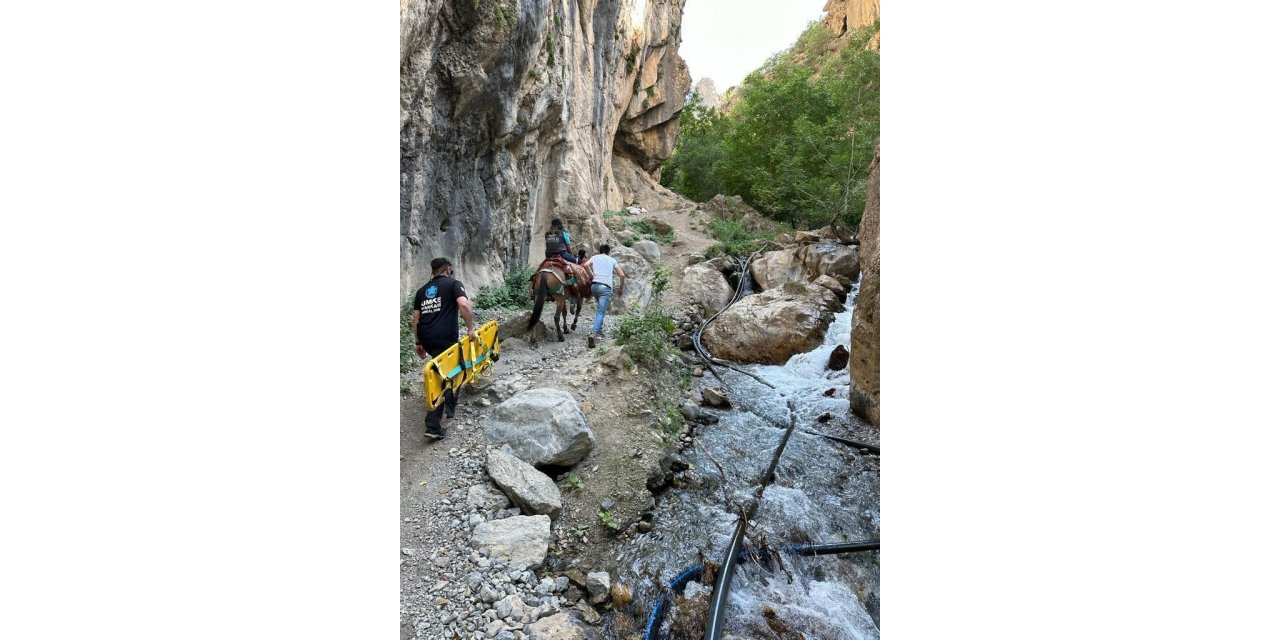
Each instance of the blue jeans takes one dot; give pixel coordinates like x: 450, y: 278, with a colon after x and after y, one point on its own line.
x: 569, y: 257
x: 602, y: 293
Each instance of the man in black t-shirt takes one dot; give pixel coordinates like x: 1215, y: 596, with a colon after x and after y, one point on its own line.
x: 435, y: 325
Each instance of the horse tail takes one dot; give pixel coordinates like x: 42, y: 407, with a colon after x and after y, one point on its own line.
x: 537, y: 303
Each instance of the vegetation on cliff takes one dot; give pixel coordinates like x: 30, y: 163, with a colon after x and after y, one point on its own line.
x: 798, y: 140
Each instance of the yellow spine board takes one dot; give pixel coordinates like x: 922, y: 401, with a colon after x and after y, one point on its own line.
x: 447, y: 370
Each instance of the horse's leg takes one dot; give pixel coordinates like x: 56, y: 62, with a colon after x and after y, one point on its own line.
x: 564, y: 317
x: 577, y: 311
x: 555, y: 319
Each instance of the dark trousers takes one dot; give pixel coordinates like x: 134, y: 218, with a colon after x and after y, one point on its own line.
x: 450, y: 398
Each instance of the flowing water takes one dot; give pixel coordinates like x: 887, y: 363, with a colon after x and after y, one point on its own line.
x: 823, y: 492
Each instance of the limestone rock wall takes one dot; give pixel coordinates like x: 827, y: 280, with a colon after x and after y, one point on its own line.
x: 512, y: 112
x: 864, y: 339
x: 846, y: 15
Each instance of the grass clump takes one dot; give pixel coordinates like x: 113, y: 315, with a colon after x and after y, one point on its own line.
x: 513, y: 293
x: 646, y: 336
x: 646, y: 230
x: 408, y: 343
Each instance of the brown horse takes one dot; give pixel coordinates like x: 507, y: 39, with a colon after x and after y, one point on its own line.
x: 549, y: 282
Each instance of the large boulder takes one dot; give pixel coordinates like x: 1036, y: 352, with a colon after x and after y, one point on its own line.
x: 648, y: 249
x: 638, y: 292
x: 805, y: 264
x: 561, y: 626
x: 542, y: 426
x: 770, y: 327
x: 706, y: 288
x: 528, y: 488
x: 518, y: 540
x: 518, y: 325
x: 864, y: 338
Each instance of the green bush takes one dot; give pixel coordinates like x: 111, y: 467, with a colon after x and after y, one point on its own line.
x: 513, y: 293
x: 646, y: 335
x: 661, y: 278
x: 735, y: 239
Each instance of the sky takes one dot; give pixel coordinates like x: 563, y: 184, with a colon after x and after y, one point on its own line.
x: 726, y: 39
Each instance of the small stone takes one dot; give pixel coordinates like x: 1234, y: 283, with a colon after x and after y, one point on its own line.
x: 607, y: 504
x: 698, y: 372
x: 598, y: 586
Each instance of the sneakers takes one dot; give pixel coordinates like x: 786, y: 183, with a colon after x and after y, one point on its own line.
x: 433, y: 433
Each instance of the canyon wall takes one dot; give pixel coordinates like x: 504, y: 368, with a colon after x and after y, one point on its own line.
x: 514, y: 112
x: 864, y: 339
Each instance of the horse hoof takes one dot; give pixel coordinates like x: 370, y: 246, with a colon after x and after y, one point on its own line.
x: 560, y: 338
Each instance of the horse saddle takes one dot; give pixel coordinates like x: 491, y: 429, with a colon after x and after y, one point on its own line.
x: 576, y: 274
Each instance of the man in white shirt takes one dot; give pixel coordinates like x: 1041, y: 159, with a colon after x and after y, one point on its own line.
x: 605, y: 271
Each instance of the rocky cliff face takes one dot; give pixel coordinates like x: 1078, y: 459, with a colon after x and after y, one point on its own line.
x: 864, y: 339
x: 846, y: 15
x: 514, y: 112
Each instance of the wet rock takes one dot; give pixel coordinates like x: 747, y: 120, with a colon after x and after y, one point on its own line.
x: 690, y: 411
x: 832, y: 284
x: 715, y: 397
x: 527, y: 487
x: 542, y: 426
x: 515, y: 540
x: 648, y: 249
x: 839, y: 358
x: 770, y: 327
x: 598, y: 586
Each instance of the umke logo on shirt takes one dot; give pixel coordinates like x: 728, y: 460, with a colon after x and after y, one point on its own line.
x: 431, y: 304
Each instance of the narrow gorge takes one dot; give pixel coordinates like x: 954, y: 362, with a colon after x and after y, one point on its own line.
x: 577, y: 483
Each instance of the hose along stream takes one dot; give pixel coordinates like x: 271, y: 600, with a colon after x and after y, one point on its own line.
x: 734, y: 551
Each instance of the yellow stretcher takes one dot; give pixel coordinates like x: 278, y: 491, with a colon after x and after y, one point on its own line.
x: 451, y: 370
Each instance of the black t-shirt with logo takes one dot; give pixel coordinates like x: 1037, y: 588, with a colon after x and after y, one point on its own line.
x: 438, y: 302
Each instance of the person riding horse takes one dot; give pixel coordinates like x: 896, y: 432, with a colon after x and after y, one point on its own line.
x: 557, y: 240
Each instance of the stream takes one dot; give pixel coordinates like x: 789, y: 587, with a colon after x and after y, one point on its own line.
x: 823, y: 492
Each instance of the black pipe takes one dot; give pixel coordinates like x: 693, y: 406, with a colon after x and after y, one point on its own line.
x: 831, y: 548
x: 853, y: 443
x: 720, y: 592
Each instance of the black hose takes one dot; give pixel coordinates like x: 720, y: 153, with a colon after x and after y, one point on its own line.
x: 720, y: 592
x: 659, y: 610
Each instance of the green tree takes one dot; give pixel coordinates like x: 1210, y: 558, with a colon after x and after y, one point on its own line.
x: 798, y: 143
